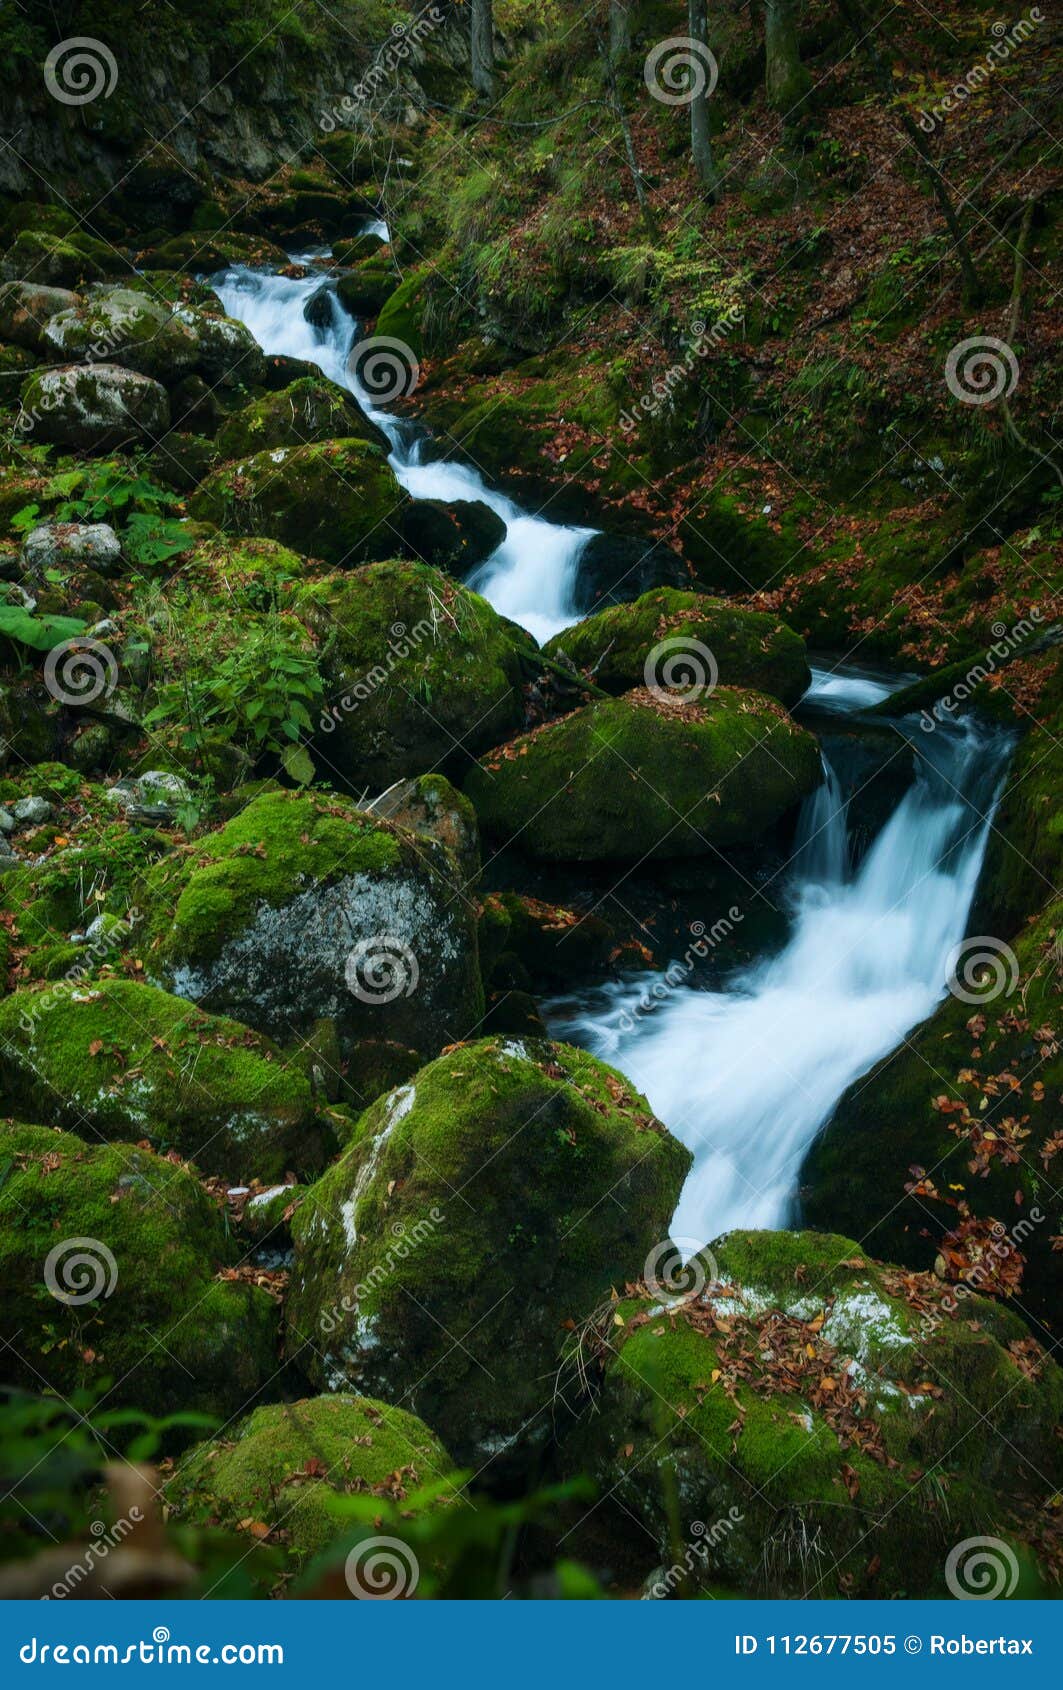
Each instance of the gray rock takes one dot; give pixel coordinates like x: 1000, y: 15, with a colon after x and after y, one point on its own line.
x: 54, y: 544
x: 155, y: 795
x: 31, y: 812
x: 26, y: 309
x: 92, y: 407
x: 7, y: 821
x: 124, y: 326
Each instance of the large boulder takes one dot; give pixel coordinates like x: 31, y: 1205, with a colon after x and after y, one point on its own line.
x: 501, y: 1191
x: 119, y: 1060
x: 457, y: 536
x: 614, y: 568
x: 127, y: 327
x: 419, y: 672
x: 649, y: 774
x: 284, y: 1464
x: 110, y: 1257
x: 691, y: 637
x: 93, y: 407
x: 802, y: 1421
x: 308, y: 409
x: 333, y: 499
x: 302, y: 908
x: 26, y: 309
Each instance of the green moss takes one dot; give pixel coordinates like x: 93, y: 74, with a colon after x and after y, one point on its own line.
x: 308, y: 409
x: 745, y: 648
x: 401, y: 316
x: 124, y: 1060
x: 506, y: 1186
x: 335, y: 499
x: 283, y: 1465
x: 638, y: 776
x: 165, y: 1333
x: 806, y: 1401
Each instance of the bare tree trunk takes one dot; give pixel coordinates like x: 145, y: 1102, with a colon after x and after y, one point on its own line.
x: 785, y: 78
x: 482, y: 46
x: 619, y: 28
x: 700, y: 137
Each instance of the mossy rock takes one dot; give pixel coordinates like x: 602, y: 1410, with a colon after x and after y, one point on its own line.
x: 334, y: 499
x: 419, y: 673
x: 972, y: 1096
x: 401, y: 317
x: 304, y: 907
x: 365, y: 289
x: 807, y: 1422
x: 551, y: 944
x: 93, y: 407
x: 207, y: 250
x: 305, y: 411
x: 121, y: 1060
x: 63, y: 261
x: 26, y: 309
x: 128, y: 327
x: 649, y: 774
x: 478, y: 1208
x: 284, y: 1464
x: 696, y: 637
x: 429, y: 804
x: 161, y: 1326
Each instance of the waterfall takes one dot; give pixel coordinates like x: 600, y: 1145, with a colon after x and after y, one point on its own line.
x: 531, y: 576
x: 748, y: 1074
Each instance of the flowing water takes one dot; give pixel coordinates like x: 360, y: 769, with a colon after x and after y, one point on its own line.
x: 745, y: 1074
x: 531, y: 576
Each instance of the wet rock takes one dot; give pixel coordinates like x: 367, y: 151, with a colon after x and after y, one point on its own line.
x: 614, y: 568
x: 457, y: 537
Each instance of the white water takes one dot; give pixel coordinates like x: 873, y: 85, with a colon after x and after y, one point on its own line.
x: 531, y: 576
x: 747, y: 1075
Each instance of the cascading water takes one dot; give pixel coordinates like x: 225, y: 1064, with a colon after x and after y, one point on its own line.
x: 531, y: 576
x: 746, y: 1076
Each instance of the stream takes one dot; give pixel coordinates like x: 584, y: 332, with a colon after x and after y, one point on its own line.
x: 745, y: 1073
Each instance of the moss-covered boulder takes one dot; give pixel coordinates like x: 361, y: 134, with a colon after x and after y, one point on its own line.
x: 948, y: 1153
x: 367, y: 287
x: 119, y: 1060
x: 284, y: 1464
x: 93, y: 407
x: 649, y: 774
x: 807, y: 1422
x: 64, y: 261
x: 26, y: 309
x: 477, y: 1209
x: 401, y: 316
x: 306, y: 410
x: 304, y: 907
x: 111, y: 1259
x: 419, y: 673
x: 128, y: 326
x: 333, y: 499
x: 686, y: 640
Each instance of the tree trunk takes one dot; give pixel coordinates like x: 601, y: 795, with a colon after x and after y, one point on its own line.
x: 619, y: 28
x: 482, y: 46
x: 700, y: 137
x: 785, y: 77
